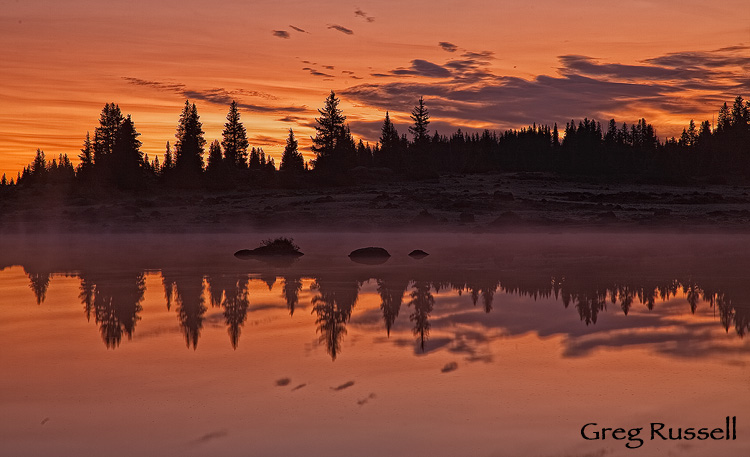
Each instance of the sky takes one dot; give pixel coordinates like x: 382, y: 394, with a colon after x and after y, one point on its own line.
x: 480, y: 64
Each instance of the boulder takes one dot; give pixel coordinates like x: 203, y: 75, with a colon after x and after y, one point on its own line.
x: 370, y: 255
x: 418, y: 254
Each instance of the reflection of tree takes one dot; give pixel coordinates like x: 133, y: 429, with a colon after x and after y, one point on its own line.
x: 333, y: 306
x: 391, y: 296
x: 235, y: 309
x: 116, y: 304
x: 589, y: 306
x: 190, y: 307
x: 292, y: 287
x: 38, y: 283
x: 422, y: 301
x: 87, y: 295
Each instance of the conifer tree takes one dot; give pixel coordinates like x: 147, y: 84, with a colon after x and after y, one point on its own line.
x: 292, y: 160
x: 234, y: 139
x: 127, y: 158
x: 86, y: 158
x: 331, y: 144
x: 190, y: 142
x: 214, y: 157
x: 106, y: 134
x: 254, y: 162
x: 168, y: 159
x: 421, y: 118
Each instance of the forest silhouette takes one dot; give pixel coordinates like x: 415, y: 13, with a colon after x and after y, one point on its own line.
x: 113, y: 159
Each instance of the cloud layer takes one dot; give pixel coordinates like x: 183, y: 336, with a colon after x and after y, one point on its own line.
x: 467, y: 91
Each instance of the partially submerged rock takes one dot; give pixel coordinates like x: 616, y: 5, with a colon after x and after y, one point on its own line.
x: 418, y: 254
x: 370, y: 255
x: 280, y: 247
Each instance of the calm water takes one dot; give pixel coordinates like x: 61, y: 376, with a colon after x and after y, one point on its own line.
x: 494, y: 345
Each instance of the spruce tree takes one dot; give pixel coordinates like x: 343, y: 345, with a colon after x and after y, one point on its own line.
x: 234, y: 139
x: 106, y: 134
x: 190, y: 143
x: 329, y: 144
x: 421, y: 118
x: 127, y: 158
x: 214, y: 157
x: 292, y: 160
x: 168, y: 159
x: 86, y: 158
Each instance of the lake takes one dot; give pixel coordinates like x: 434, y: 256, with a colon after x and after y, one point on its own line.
x: 493, y: 345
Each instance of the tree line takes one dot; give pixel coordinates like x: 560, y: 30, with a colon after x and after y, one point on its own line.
x: 113, y: 157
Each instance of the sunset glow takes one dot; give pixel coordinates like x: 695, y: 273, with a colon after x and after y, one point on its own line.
x: 483, y: 64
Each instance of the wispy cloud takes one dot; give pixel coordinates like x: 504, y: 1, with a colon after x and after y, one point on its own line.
x: 450, y: 47
x: 341, y: 29
x: 315, y: 72
x: 219, y: 96
x: 281, y: 34
x: 358, y: 12
x: 298, y: 29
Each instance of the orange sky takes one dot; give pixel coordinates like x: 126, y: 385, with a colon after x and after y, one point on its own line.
x: 501, y: 65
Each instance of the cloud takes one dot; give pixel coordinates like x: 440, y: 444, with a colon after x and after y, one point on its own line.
x: 450, y: 47
x: 329, y: 67
x: 468, y: 92
x: 341, y: 29
x: 218, y: 96
x: 281, y: 34
x: 298, y: 29
x: 421, y: 67
x: 358, y: 12
x: 315, y: 72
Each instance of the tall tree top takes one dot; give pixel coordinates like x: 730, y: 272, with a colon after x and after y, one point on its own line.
x: 421, y: 118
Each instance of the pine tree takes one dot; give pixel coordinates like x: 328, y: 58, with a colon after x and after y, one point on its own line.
x: 168, y: 159
x: 235, y: 139
x: 421, y: 118
x: 254, y: 161
x: 292, y: 160
x: 86, y: 158
x: 190, y: 142
x: 106, y: 134
x: 127, y: 158
x: 214, y: 157
x: 328, y: 144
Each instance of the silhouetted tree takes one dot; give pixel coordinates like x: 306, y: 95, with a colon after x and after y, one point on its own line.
x: 292, y: 160
x: 86, y: 159
x: 127, y: 159
x: 189, y: 144
x: 234, y: 139
x: 105, y: 136
x: 215, y: 159
x: 333, y: 144
x: 421, y: 118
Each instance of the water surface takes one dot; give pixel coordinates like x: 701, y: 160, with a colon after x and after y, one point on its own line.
x: 492, y: 345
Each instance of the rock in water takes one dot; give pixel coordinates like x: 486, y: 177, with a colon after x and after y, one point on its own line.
x: 418, y: 254
x: 370, y: 255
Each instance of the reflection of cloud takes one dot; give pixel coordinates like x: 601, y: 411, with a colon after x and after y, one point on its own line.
x: 472, y: 92
x: 341, y: 29
x: 343, y: 386
x: 281, y: 34
x: 358, y: 12
x: 298, y: 29
x: 450, y: 47
x: 211, y: 436
x: 219, y: 96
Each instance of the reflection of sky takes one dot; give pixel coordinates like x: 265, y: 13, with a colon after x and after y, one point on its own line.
x: 486, y: 385
x: 491, y: 65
